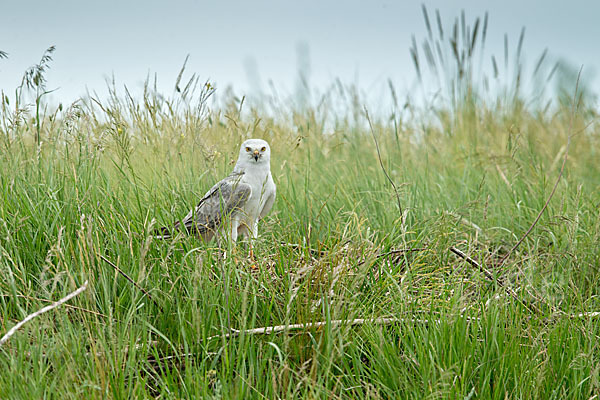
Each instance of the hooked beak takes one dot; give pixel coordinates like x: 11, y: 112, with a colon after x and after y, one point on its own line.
x: 256, y: 155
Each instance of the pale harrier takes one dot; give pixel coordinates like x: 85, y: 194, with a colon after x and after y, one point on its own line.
x: 234, y: 206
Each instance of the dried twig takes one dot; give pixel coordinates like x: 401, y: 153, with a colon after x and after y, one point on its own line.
x: 106, y: 260
x: 334, y: 323
x: 474, y: 263
x: 295, y: 327
x: 40, y: 312
x: 383, y: 168
x: 492, y: 278
x: 589, y: 314
x: 22, y: 296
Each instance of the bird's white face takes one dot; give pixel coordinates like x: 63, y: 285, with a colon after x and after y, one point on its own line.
x: 255, y: 151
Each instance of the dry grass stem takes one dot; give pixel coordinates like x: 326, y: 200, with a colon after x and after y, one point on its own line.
x: 52, y: 306
x: 106, y: 260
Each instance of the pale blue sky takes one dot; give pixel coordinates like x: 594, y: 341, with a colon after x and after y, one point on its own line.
x: 364, y: 42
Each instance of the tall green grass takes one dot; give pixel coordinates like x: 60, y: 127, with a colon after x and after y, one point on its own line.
x: 94, y: 179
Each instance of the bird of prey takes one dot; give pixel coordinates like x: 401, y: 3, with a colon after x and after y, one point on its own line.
x: 233, y: 206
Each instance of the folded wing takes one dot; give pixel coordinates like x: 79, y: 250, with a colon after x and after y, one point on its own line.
x: 225, y: 198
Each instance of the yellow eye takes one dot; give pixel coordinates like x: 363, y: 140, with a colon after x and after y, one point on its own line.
x: 263, y: 149
x: 248, y: 149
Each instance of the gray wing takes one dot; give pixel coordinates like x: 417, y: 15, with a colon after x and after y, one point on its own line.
x: 221, y: 200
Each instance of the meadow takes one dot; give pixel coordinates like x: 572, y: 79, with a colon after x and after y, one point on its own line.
x: 370, y: 205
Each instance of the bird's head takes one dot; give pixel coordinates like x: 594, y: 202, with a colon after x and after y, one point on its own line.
x: 254, y: 151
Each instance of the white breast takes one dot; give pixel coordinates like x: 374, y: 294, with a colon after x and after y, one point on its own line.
x: 258, y: 179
